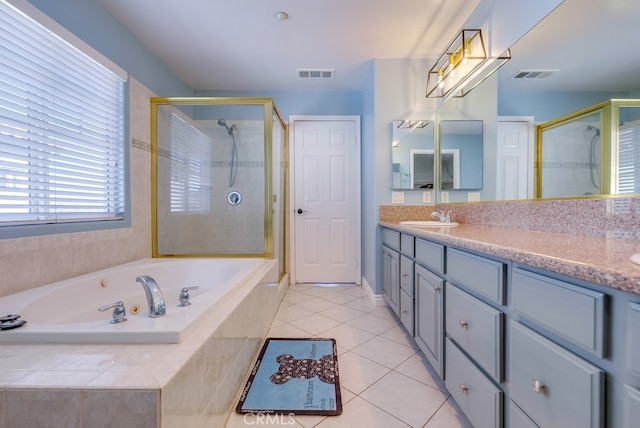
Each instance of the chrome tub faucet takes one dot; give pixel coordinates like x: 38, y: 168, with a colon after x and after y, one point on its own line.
x: 155, y: 299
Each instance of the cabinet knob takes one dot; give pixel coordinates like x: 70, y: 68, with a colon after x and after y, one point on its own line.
x: 464, y: 324
x: 464, y: 389
x: 538, y: 386
x: 404, y: 275
x: 436, y: 289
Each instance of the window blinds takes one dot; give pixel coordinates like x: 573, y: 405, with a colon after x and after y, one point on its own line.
x: 61, y: 129
x: 629, y: 160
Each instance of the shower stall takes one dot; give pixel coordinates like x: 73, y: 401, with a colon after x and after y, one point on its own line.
x: 594, y: 151
x: 218, y: 178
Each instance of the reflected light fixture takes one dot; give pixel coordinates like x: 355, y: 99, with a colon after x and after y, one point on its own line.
x: 462, y: 66
x: 412, y: 124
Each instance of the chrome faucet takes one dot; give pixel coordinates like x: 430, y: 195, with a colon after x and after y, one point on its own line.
x: 155, y: 299
x: 443, y: 216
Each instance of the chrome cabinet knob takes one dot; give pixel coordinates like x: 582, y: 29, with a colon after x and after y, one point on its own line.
x: 538, y: 386
x: 464, y: 324
x: 464, y: 389
x: 436, y: 289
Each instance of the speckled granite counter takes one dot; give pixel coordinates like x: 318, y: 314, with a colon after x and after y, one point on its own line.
x: 596, y: 259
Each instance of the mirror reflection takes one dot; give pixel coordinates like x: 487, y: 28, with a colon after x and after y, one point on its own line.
x: 461, y: 148
x: 413, y: 146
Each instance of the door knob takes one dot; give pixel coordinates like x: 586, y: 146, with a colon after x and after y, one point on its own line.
x: 300, y: 211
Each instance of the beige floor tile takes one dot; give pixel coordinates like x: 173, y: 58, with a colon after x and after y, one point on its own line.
x: 292, y: 313
x: 316, y: 324
x: 417, y: 368
x: 383, y: 351
x: 348, y: 337
x: 373, y: 324
x: 413, y: 402
x: 400, y: 335
x: 357, y: 373
x: 342, y: 313
x: 362, y: 304
x: 340, y: 297
x: 287, y: 330
x: 316, y: 304
x: 448, y: 416
x: 358, y: 413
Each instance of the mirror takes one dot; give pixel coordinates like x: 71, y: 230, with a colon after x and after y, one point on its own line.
x: 461, y: 149
x: 412, y: 145
x: 542, y: 82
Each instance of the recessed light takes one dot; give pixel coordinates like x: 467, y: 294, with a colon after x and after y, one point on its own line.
x: 282, y: 16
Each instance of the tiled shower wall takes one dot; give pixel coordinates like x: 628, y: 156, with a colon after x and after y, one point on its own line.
x: 27, y: 263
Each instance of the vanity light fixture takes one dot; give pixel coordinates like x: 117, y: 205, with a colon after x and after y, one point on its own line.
x: 462, y: 66
x: 412, y: 124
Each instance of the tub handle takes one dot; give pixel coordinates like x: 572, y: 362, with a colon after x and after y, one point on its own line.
x: 184, y: 295
x: 119, y: 314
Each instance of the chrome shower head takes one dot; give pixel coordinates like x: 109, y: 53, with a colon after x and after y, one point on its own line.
x: 222, y: 122
x: 230, y: 130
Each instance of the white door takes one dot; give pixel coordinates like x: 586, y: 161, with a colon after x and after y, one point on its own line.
x: 326, y: 200
x: 514, y: 175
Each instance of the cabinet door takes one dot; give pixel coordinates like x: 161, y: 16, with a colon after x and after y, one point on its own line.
x: 429, y: 325
x: 391, y: 278
x: 553, y: 386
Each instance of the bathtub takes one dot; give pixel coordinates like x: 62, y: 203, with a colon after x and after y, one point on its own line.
x: 67, y: 311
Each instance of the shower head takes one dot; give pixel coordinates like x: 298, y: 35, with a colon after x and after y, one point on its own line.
x: 230, y: 130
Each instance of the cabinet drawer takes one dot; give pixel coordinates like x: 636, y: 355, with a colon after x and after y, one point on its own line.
x: 631, y: 407
x: 633, y: 339
x: 483, y: 275
x: 551, y: 385
x: 430, y: 255
x: 476, y: 327
x: 575, y: 313
x: 407, y: 244
x: 406, y: 275
x: 391, y: 238
x: 406, y: 311
x: 476, y: 395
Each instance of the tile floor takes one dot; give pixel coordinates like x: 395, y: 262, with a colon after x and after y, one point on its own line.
x: 385, y: 380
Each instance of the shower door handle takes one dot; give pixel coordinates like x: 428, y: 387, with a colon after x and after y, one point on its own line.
x: 300, y: 211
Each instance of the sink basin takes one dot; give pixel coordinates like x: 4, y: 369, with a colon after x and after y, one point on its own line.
x: 636, y: 258
x: 427, y: 223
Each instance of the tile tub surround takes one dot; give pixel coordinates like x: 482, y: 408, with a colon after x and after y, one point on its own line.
x: 531, y: 233
x: 193, y: 383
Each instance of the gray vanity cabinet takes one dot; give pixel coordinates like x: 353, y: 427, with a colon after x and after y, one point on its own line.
x: 429, y: 327
x: 631, y: 395
x: 391, y: 268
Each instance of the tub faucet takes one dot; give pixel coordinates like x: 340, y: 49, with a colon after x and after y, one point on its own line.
x: 443, y: 216
x: 155, y: 299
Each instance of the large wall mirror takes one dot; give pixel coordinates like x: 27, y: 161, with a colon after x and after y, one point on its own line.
x: 461, y: 154
x: 413, y: 152
x: 542, y: 82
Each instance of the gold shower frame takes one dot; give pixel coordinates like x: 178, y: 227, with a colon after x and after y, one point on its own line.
x: 270, y: 110
x: 609, y: 119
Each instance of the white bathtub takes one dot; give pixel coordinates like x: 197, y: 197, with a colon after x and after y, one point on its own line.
x: 67, y: 311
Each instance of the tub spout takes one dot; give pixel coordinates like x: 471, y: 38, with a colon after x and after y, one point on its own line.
x: 155, y: 299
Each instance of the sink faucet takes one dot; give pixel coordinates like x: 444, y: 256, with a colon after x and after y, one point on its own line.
x: 155, y: 299
x: 443, y: 216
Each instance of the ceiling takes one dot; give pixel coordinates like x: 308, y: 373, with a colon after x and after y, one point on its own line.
x: 241, y: 45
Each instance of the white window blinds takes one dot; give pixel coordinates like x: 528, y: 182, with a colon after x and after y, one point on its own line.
x: 629, y: 161
x: 62, y: 127
x: 190, y: 180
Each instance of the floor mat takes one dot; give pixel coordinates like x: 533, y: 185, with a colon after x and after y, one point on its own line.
x: 294, y: 376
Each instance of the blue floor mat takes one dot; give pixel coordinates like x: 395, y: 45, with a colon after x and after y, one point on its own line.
x: 294, y: 376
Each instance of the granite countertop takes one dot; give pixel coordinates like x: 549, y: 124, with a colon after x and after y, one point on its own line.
x: 603, y: 261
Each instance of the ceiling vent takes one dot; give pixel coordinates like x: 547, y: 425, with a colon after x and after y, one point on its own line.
x: 533, y: 74
x: 315, y: 74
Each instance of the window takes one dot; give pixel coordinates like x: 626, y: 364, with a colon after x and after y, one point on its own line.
x: 62, y: 129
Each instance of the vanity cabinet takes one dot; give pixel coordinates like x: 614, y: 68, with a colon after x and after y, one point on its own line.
x: 391, y: 268
x: 429, y: 327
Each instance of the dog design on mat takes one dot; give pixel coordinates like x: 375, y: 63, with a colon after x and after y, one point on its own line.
x: 290, y: 368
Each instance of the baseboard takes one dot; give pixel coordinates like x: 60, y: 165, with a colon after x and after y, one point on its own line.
x: 376, y: 299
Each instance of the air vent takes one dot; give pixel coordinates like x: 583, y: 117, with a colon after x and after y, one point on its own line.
x: 315, y: 74
x: 533, y: 74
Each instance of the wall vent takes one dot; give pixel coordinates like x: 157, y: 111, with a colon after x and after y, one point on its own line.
x: 315, y: 74
x: 533, y: 74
